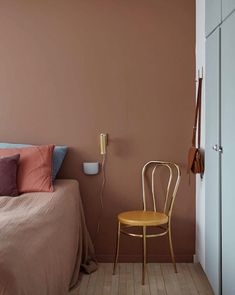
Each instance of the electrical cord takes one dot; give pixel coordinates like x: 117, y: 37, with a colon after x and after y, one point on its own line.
x: 101, y: 195
x: 103, y: 181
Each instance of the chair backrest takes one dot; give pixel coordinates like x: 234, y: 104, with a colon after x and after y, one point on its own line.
x: 172, y: 183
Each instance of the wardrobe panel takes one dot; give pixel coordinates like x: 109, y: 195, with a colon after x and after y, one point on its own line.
x: 227, y: 7
x: 228, y: 155
x: 213, y: 15
x: 212, y: 162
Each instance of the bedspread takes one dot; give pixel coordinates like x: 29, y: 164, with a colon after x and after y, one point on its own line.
x: 43, y: 241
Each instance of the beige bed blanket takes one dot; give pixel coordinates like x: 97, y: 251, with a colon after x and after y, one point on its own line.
x: 43, y: 241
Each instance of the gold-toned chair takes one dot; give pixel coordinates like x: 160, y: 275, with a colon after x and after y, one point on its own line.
x: 144, y: 218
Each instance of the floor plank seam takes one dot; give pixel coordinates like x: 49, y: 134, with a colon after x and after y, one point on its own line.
x: 193, y: 279
x: 163, y: 279
x: 87, y: 285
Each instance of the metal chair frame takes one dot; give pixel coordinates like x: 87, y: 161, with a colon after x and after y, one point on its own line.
x: 172, y: 186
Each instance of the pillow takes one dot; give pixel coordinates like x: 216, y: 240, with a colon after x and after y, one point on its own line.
x: 8, y: 175
x: 58, y: 158
x: 59, y: 154
x: 34, y: 172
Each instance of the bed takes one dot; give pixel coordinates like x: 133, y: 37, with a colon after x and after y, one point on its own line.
x: 43, y: 242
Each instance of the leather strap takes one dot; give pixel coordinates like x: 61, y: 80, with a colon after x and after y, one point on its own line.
x: 197, y: 119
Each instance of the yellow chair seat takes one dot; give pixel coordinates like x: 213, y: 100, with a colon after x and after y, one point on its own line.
x: 143, y: 218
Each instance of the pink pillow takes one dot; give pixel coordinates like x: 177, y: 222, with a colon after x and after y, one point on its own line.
x: 35, y: 168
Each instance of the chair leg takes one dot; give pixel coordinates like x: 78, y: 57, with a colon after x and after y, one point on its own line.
x: 144, y: 256
x: 171, y: 249
x: 117, y: 248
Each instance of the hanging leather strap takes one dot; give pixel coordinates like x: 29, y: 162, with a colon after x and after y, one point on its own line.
x: 197, y: 119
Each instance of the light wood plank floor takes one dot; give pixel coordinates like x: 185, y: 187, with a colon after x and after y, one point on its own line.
x: 161, y: 280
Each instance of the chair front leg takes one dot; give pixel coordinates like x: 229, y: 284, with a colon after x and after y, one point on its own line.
x: 117, y: 247
x: 171, y: 248
x: 144, y: 256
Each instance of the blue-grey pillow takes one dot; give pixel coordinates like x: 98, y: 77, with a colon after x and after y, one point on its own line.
x: 59, y: 154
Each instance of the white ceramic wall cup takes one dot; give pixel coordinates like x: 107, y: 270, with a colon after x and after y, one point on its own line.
x: 91, y: 168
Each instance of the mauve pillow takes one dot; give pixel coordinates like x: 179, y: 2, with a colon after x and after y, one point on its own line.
x: 8, y: 175
x: 34, y: 172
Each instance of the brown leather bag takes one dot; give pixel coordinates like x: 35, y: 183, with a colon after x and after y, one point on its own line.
x: 195, y: 155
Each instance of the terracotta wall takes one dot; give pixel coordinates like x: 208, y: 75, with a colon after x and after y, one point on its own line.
x: 72, y: 69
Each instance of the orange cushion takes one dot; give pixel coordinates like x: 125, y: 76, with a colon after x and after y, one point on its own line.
x: 35, y: 168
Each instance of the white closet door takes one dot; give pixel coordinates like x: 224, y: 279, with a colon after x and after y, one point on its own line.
x: 212, y: 163
x: 228, y: 156
x: 213, y: 15
x: 227, y: 7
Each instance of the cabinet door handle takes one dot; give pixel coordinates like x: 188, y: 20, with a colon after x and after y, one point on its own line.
x: 217, y: 148
x: 220, y: 149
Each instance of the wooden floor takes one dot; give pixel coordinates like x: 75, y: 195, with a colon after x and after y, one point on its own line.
x: 161, y: 280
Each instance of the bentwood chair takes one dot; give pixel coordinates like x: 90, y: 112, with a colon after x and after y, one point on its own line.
x: 160, y: 219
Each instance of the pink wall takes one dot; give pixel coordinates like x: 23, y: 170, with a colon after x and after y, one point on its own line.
x: 72, y: 69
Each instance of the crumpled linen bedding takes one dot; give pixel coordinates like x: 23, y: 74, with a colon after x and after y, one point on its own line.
x: 43, y: 242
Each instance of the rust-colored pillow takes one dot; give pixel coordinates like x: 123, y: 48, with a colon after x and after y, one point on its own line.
x: 35, y: 168
x: 8, y: 175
